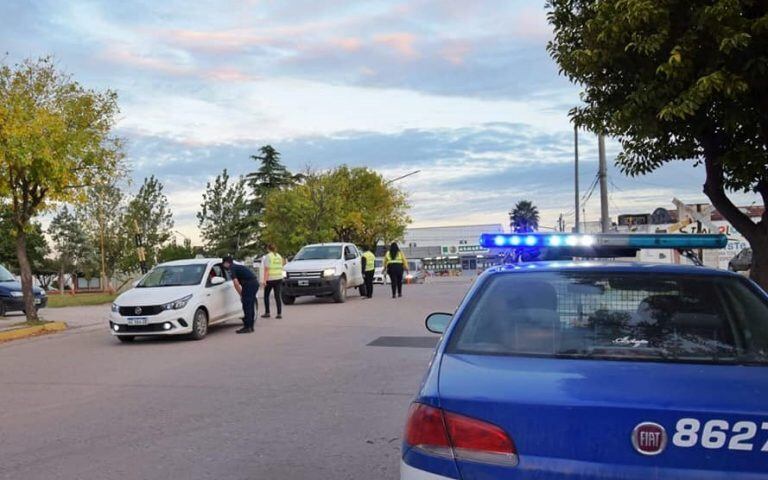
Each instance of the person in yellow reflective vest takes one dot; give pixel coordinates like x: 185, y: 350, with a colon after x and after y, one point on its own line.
x: 369, y: 266
x: 272, y: 279
x: 395, y: 265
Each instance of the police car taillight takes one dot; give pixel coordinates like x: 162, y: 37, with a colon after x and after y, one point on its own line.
x: 450, y: 435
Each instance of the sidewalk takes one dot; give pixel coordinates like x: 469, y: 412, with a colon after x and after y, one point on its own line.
x: 12, y: 328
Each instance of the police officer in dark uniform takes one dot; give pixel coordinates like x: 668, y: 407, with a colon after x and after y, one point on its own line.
x: 247, y: 285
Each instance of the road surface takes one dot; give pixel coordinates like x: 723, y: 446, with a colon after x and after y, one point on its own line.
x: 303, y: 398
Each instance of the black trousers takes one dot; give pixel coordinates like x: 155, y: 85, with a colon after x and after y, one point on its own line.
x: 395, y: 271
x: 275, y: 285
x: 250, y: 304
x: 368, y: 277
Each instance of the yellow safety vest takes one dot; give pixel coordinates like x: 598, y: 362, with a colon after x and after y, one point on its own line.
x: 370, y: 261
x: 274, y: 266
x: 399, y: 259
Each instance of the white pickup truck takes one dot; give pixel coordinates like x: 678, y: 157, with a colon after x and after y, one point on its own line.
x: 323, y: 270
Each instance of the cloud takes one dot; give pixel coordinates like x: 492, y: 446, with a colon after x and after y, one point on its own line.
x: 402, y: 43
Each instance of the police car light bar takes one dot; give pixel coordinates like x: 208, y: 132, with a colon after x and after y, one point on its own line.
x: 606, y: 241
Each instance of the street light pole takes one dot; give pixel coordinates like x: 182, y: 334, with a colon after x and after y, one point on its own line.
x: 603, y: 175
x: 402, y: 177
x: 576, y: 176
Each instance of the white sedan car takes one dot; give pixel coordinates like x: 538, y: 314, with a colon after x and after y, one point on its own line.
x: 176, y: 298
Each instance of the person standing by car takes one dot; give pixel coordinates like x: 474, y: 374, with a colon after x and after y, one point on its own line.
x: 369, y: 266
x: 395, y: 265
x: 247, y: 285
x: 272, y: 278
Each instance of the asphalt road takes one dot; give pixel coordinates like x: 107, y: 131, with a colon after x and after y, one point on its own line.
x: 303, y: 398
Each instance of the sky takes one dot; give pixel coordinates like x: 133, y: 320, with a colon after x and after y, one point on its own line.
x: 463, y: 91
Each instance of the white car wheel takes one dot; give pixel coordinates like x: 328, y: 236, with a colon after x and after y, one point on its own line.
x: 200, y: 325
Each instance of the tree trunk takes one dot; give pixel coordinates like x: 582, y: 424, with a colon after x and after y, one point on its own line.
x: 26, y: 276
x: 759, y: 269
x: 755, y: 233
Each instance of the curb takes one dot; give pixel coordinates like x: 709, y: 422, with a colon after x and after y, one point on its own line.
x: 23, y: 332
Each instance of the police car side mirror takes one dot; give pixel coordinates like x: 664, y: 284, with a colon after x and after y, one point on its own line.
x: 438, y: 322
x: 218, y: 280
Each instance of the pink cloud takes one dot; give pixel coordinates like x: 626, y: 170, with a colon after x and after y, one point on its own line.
x: 348, y: 44
x: 229, y: 74
x: 126, y: 57
x: 456, y: 51
x: 401, y: 42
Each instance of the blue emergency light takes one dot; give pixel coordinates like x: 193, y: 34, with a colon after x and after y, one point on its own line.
x: 604, y: 241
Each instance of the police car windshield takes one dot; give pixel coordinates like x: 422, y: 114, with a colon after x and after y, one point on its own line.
x: 5, y: 275
x: 319, y: 252
x: 173, y: 276
x: 619, y: 316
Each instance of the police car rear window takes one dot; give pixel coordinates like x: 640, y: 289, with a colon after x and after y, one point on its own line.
x: 604, y: 315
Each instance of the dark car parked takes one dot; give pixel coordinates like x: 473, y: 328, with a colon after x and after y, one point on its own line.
x: 11, y: 298
x: 742, y: 261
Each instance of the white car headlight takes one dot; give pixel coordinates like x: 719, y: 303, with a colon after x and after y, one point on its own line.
x: 177, y: 304
x: 329, y: 272
x: 17, y: 294
x: 115, y: 308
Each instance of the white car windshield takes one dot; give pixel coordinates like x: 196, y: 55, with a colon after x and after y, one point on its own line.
x: 5, y: 275
x: 319, y: 252
x: 173, y: 276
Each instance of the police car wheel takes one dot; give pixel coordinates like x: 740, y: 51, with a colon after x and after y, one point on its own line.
x: 199, y: 325
x: 340, y: 296
x: 126, y: 339
x: 289, y: 300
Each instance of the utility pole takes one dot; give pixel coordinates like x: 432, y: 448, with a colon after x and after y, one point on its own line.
x: 576, y: 175
x: 603, y: 175
x: 561, y: 223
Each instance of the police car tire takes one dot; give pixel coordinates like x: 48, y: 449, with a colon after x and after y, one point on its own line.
x: 340, y: 296
x: 289, y: 300
x: 126, y: 338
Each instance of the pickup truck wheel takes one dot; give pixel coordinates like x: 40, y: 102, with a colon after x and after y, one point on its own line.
x: 288, y: 299
x: 340, y: 296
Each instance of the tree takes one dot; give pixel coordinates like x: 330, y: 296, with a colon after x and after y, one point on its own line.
x: 223, y: 218
x: 54, y: 139
x: 174, y: 251
x: 270, y: 176
x: 37, y: 246
x: 75, y: 252
x: 346, y: 204
x: 674, y: 81
x: 524, y: 217
x: 149, y: 214
x: 102, y: 217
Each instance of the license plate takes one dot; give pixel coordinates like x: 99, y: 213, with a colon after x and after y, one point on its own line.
x: 137, y: 321
x: 303, y: 283
x: 38, y: 301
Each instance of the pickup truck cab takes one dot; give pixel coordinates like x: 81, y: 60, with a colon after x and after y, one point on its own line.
x: 323, y: 270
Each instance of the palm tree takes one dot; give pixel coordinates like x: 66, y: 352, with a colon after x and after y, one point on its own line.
x: 524, y: 217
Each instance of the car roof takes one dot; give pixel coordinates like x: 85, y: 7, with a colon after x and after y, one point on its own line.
x: 329, y: 244
x: 192, y: 261
x: 607, y: 266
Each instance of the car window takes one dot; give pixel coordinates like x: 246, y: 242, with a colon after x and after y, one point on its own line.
x: 217, y: 271
x: 5, y: 275
x: 349, y: 253
x: 173, y: 275
x: 616, y: 316
x: 319, y: 252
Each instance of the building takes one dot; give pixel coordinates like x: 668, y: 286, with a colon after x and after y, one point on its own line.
x: 451, y: 250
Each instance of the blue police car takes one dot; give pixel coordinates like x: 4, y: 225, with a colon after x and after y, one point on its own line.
x: 11, y: 298
x: 596, y: 370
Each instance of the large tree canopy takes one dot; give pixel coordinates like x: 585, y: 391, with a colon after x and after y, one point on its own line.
x: 676, y: 80
x: 346, y: 204
x: 54, y: 140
